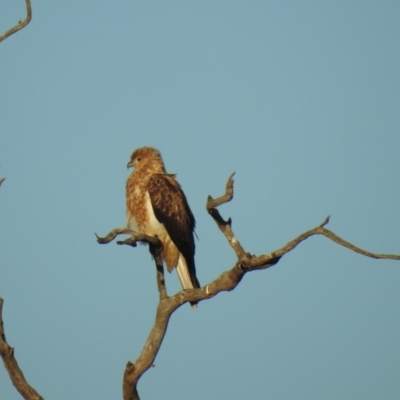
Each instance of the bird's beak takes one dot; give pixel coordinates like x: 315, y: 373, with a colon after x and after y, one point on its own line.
x: 130, y: 164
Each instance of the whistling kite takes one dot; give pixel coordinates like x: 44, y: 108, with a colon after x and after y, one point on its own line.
x: 157, y: 206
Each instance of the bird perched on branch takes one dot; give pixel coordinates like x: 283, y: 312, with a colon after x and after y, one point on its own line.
x: 157, y: 206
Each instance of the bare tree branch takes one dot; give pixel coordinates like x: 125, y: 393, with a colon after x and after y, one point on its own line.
x: 225, y: 226
x: 11, y: 365
x: 6, y: 351
x: 155, y: 247
x: 20, y: 24
x: 132, y: 241
x: 227, y: 281
x: 225, y: 198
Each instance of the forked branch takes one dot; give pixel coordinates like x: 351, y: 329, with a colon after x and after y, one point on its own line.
x: 227, y: 281
x: 20, y: 24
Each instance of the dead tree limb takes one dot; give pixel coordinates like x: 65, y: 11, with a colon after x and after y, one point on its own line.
x: 20, y: 24
x: 6, y: 351
x: 227, y: 281
x: 11, y: 365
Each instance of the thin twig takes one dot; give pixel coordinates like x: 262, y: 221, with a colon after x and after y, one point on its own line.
x: 225, y: 226
x: 225, y: 198
x: 344, y: 243
x: 20, y: 24
x: 262, y: 261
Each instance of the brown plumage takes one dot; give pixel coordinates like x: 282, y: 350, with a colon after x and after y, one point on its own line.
x: 157, y: 206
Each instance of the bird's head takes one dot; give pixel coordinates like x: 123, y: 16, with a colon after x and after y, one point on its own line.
x: 147, y: 157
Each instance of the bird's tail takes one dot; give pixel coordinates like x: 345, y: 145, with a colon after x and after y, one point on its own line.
x: 185, y: 278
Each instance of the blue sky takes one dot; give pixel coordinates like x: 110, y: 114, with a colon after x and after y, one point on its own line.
x: 301, y: 99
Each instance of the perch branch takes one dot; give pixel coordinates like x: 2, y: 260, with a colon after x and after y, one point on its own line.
x: 11, y: 365
x: 134, y: 370
x: 20, y: 24
x: 226, y: 281
x: 155, y: 247
x: 132, y: 241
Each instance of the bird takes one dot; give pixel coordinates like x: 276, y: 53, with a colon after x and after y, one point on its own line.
x: 157, y: 206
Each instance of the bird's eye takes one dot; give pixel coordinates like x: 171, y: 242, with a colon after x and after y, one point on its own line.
x: 138, y: 159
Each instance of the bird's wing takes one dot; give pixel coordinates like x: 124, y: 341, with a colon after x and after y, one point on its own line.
x: 172, y: 210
